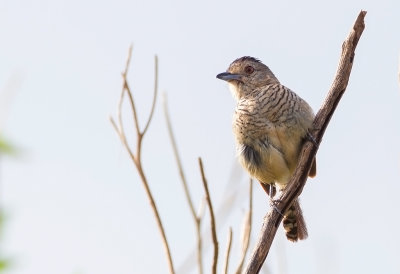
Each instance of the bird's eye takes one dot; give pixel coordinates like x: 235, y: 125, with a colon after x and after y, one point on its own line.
x: 249, y: 69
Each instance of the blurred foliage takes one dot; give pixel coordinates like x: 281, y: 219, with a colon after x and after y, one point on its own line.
x: 6, y: 147
x: 5, y: 263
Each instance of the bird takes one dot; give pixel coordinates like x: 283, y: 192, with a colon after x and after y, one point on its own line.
x: 270, y: 125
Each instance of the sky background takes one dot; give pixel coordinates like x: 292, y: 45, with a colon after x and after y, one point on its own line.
x: 73, y: 200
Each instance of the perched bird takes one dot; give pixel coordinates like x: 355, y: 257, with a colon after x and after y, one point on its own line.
x: 270, y: 125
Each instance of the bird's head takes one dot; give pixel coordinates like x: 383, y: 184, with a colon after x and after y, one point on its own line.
x: 246, y: 74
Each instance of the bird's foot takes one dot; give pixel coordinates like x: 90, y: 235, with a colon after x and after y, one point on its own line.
x: 311, y: 138
x: 274, y: 204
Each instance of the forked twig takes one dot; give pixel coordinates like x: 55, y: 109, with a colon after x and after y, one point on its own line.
x: 196, y: 217
x: 136, y: 156
x: 212, y: 217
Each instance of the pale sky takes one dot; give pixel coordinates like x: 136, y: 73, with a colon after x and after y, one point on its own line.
x: 73, y: 200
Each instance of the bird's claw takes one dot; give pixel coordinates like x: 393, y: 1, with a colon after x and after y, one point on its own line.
x: 274, y: 205
x: 311, y: 138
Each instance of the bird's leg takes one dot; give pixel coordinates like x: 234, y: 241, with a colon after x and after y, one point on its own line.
x: 272, y: 190
x: 269, y: 189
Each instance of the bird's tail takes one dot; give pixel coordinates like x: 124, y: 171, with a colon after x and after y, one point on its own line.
x: 294, y: 224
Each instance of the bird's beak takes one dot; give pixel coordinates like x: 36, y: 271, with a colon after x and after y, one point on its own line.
x: 226, y: 76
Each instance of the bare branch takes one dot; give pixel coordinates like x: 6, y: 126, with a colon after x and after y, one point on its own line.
x: 153, y: 105
x: 122, y: 137
x: 120, y: 129
x: 212, y: 217
x: 119, y: 114
x: 128, y: 61
x: 321, y: 121
x: 246, y: 231
x: 228, y: 251
x: 177, y: 158
x: 136, y: 159
x: 231, y: 196
x: 202, y: 206
x: 121, y: 98
x: 126, y: 88
x: 114, y: 125
x: 196, y: 217
x: 199, y: 247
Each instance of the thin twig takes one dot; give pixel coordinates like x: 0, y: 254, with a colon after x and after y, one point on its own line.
x: 120, y: 128
x: 119, y: 114
x: 321, y: 121
x: 136, y: 157
x: 202, y: 207
x: 199, y: 246
x: 232, y: 195
x: 128, y: 60
x: 196, y: 217
x: 126, y: 88
x: 212, y: 217
x: 228, y: 251
x: 153, y: 105
x: 123, y: 90
x: 122, y: 137
x: 177, y: 157
x: 246, y: 231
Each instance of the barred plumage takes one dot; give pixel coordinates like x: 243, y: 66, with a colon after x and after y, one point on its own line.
x: 270, y: 124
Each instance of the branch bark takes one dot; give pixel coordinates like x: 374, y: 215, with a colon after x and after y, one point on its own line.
x: 321, y: 121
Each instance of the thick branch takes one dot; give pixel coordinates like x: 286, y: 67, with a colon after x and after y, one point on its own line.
x: 298, y: 180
